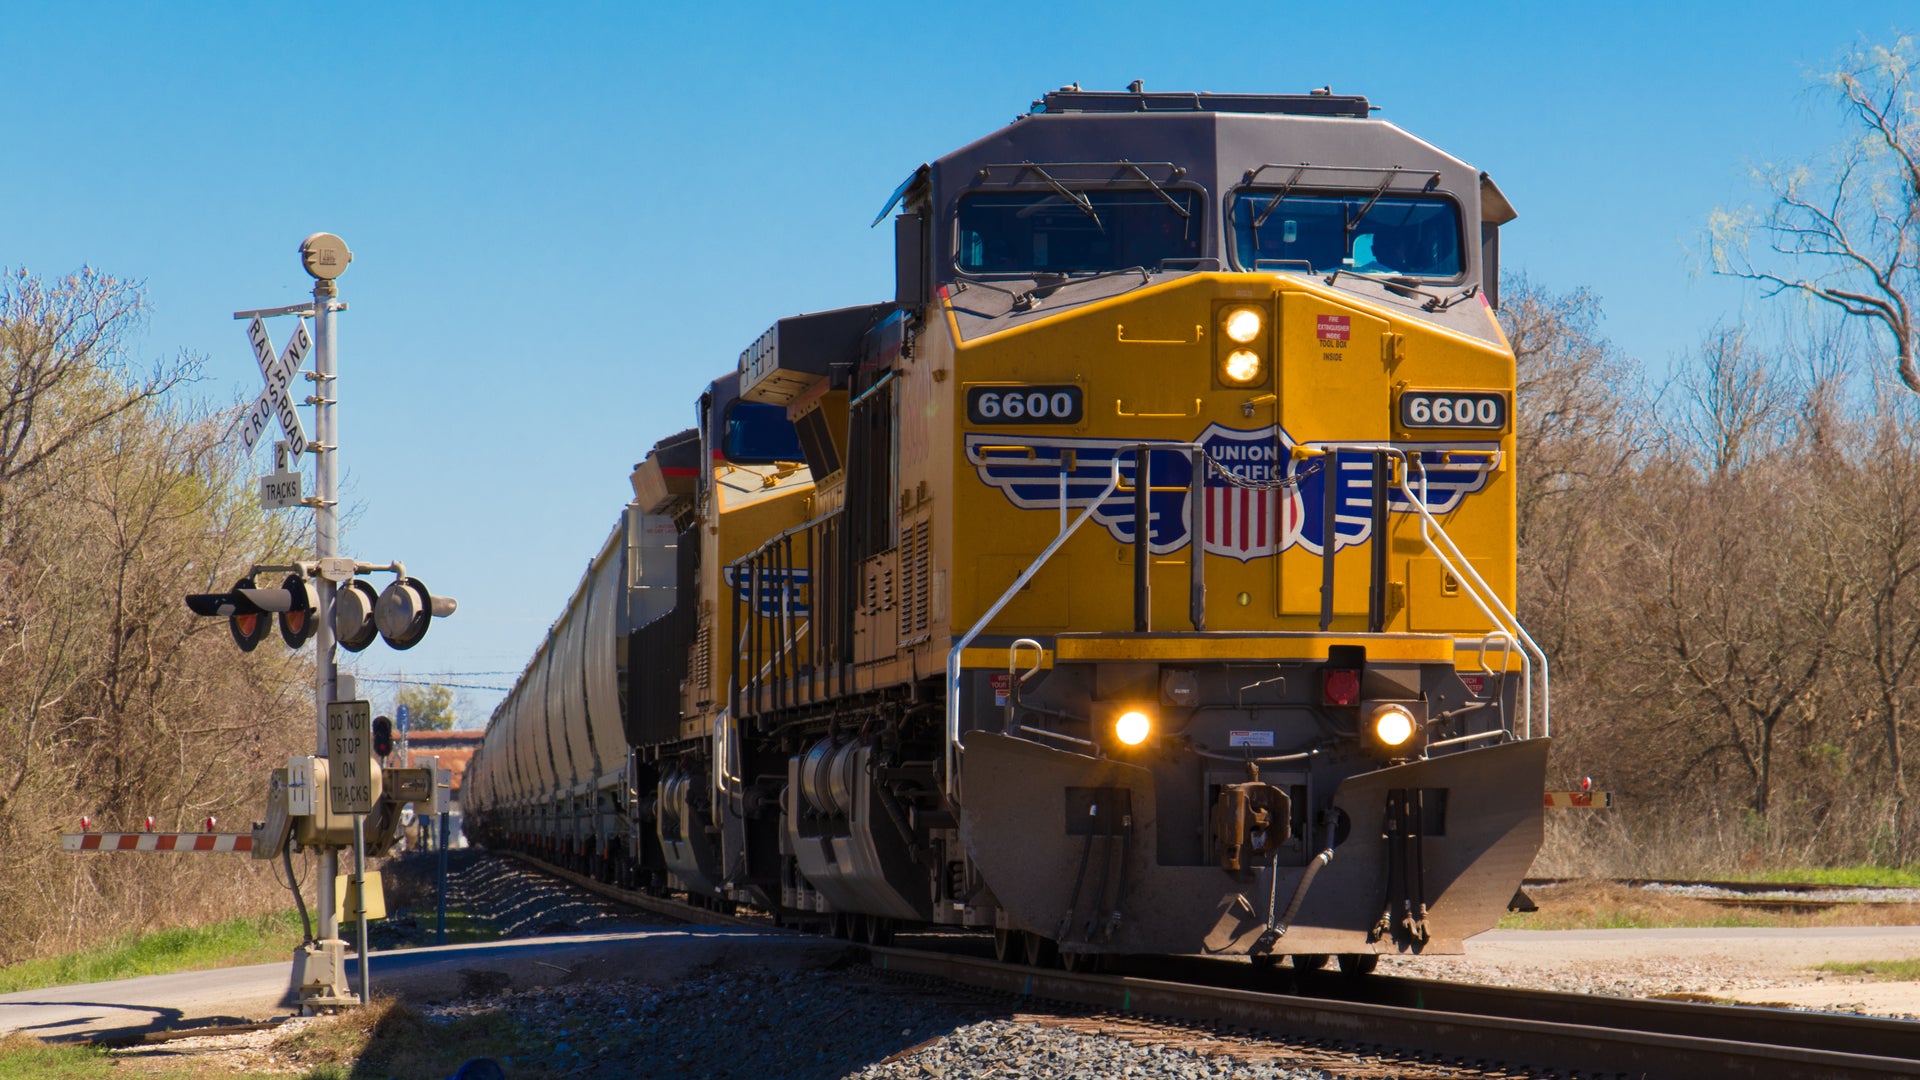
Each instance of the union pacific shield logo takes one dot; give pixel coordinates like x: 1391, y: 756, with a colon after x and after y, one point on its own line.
x: 1256, y: 500
x: 1258, y: 516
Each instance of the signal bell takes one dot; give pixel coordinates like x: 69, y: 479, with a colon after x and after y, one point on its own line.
x: 405, y: 609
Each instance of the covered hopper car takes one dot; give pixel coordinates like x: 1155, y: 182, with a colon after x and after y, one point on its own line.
x: 1139, y: 578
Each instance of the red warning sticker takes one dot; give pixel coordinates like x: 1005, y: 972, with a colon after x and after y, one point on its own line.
x: 1334, y: 328
x: 1002, y: 684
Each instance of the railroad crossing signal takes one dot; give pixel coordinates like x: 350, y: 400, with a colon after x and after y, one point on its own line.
x: 405, y: 609
x: 401, y: 613
x: 276, y: 401
x: 382, y: 737
x: 249, y: 611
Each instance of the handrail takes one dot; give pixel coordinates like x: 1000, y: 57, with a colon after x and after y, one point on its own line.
x: 959, y: 647
x: 1013, y: 659
x: 1455, y: 561
x: 1507, y: 621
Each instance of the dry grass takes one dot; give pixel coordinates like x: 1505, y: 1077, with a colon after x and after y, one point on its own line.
x: 1672, y: 843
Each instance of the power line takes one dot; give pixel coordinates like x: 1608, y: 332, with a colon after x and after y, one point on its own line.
x: 413, y: 681
x: 464, y: 674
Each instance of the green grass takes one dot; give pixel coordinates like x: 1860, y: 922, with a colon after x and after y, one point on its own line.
x: 255, y: 940
x: 1884, y: 970
x: 463, y: 928
x: 1895, y: 877
x: 23, y: 1058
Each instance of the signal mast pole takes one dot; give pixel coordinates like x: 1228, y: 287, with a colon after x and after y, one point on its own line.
x: 325, y: 257
x: 326, y: 522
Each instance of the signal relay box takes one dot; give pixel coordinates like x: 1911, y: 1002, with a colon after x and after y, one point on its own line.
x: 298, y: 807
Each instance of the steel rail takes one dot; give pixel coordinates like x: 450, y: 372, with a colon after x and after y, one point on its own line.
x: 1547, y: 1029
x: 1740, y: 1023
x: 1504, y: 1039
x: 1867, y: 1035
x: 671, y: 909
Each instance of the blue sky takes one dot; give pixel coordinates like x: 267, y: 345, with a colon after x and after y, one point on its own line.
x: 567, y: 218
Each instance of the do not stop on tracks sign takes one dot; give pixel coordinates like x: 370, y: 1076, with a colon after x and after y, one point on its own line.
x: 350, y: 757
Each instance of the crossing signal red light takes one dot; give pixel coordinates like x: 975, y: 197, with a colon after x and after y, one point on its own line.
x: 298, y: 621
x: 382, y: 736
x: 250, y: 611
x: 245, y: 619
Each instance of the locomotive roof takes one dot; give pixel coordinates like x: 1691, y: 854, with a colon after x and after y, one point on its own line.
x: 1214, y: 141
x: 1323, y: 102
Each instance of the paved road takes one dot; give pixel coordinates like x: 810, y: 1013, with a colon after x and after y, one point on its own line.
x: 130, y: 1007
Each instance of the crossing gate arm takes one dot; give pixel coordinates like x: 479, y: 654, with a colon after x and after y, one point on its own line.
x: 82, y: 843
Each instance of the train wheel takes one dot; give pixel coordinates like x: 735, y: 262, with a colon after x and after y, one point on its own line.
x: 1265, y: 962
x: 1084, y: 963
x: 1006, y: 946
x: 879, y: 930
x: 1313, y: 961
x: 1041, y: 952
x: 1357, y: 964
x: 840, y: 925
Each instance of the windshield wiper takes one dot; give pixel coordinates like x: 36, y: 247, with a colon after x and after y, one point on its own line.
x: 1354, y: 222
x: 1277, y: 197
x: 1069, y: 194
x: 1158, y: 190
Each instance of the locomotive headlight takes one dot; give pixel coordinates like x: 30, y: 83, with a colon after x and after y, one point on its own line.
x: 1133, y: 727
x: 1243, y: 325
x: 1393, y: 726
x: 1242, y: 367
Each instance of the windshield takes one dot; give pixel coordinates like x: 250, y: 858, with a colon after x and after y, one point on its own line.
x: 1045, y: 232
x: 1398, y: 235
x: 759, y: 434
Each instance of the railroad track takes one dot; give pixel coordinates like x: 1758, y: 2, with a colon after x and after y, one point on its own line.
x: 1383, y: 1026
x: 1761, y: 895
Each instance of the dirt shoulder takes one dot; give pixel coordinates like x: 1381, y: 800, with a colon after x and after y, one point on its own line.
x: 1777, y: 963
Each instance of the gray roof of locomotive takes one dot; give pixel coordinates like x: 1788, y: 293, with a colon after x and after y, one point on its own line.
x: 1216, y: 143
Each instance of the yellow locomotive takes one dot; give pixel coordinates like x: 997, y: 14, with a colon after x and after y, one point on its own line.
x: 1139, y: 579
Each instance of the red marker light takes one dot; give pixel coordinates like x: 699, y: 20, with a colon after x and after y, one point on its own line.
x: 148, y: 827
x: 211, y: 822
x: 1340, y: 686
x: 1586, y: 783
x: 86, y: 823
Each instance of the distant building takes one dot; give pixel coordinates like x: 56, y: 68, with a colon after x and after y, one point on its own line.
x: 453, y: 748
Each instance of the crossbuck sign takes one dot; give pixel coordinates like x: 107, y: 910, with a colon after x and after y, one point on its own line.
x: 277, y: 399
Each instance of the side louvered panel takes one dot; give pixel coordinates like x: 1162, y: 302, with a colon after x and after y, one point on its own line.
x: 700, y: 664
x: 916, y: 575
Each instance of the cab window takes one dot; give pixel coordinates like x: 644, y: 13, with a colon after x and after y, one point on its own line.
x: 1046, y: 232
x: 760, y: 434
x: 1394, y: 235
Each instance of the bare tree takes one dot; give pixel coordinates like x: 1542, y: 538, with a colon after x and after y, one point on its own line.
x: 1732, y: 400
x: 63, y: 371
x: 114, y: 700
x: 1847, y: 233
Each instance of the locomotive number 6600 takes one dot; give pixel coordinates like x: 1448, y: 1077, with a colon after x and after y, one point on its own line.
x: 1479, y: 410
x: 1024, y: 405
